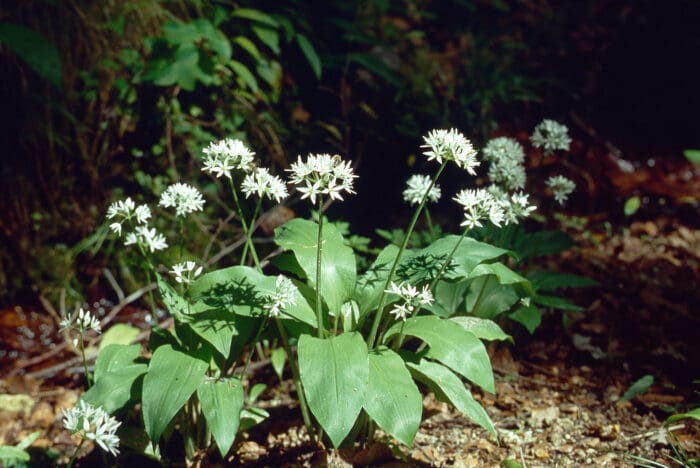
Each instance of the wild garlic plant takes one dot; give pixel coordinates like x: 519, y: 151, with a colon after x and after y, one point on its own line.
x: 357, y: 342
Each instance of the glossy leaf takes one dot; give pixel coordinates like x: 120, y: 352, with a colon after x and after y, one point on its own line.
x: 484, y: 329
x: 114, y: 357
x: 338, y: 260
x: 452, y: 345
x: 172, y: 378
x: 487, y: 298
x: 529, y: 317
x: 334, y: 373
x: 310, y: 54
x: 255, y: 15
x: 222, y: 402
x: 392, y: 399
x: 553, y: 280
x: 448, y: 387
x: 120, y: 333
x: 38, y: 52
x: 116, y: 388
x: 371, y: 284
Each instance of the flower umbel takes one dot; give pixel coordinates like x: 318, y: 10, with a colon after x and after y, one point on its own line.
x: 124, y: 211
x: 478, y: 205
x: 284, y: 296
x: 147, y: 238
x: 416, y: 186
x: 412, y: 299
x: 84, y: 321
x: 184, y: 198
x: 93, y: 423
x: 223, y: 156
x: 561, y: 188
x: 186, y: 272
x: 264, y: 184
x: 452, y: 146
x: 322, y: 174
x: 551, y: 136
x: 503, y: 149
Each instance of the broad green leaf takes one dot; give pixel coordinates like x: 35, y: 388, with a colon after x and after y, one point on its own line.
x: 244, y: 291
x: 116, y: 388
x: 694, y: 414
x: 222, y: 402
x: 245, y: 75
x: 334, y: 373
x: 637, y: 388
x: 371, y: 284
x: 537, y: 244
x: 504, y: 274
x: 529, y: 317
x: 452, y: 345
x: 277, y: 358
x: 338, y: 269
x: 632, y: 205
x: 247, y: 45
x: 310, y: 54
x: 255, y: 15
x: 269, y: 37
x: 183, y: 70
x: 487, y: 298
x: 555, y: 302
x: 692, y: 155
x: 121, y: 333
x: 392, y: 398
x: 172, y: 378
x: 114, y: 357
x: 448, y: 387
x: 484, y: 329
x: 251, y: 417
x: 8, y: 452
x: 426, y: 263
x: 38, y: 52
x: 449, y: 297
x: 553, y: 280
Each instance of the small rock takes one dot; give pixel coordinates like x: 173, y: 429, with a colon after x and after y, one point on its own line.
x: 541, y: 453
x: 609, y: 431
x: 250, y: 450
x: 592, y: 442
x: 569, y: 408
x: 543, y: 416
x: 42, y: 416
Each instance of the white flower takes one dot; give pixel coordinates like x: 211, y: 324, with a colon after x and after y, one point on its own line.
x: 416, y: 187
x: 550, y: 136
x: 125, y: 211
x: 84, y: 321
x: 148, y: 238
x: 451, y: 145
x: 504, y: 148
x: 284, y: 296
x: 184, y: 198
x: 510, y: 174
x: 561, y: 188
x: 186, y: 272
x: 322, y: 174
x: 262, y: 183
x: 478, y: 205
x: 224, y: 156
x: 412, y: 299
x: 516, y: 206
x: 94, y: 424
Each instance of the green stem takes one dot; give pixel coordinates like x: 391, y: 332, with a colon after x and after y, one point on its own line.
x: 148, y: 269
x: 88, y: 378
x: 297, y: 379
x: 390, y: 278
x: 250, y: 354
x: 446, y: 264
x: 249, y: 237
x: 429, y: 220
x: 479, y: 297
x: 319, y: 253
x: 244, y: 225
x: 75, y: 454
x: 181, y: 221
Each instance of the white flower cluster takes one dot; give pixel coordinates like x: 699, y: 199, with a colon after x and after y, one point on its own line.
x: 551, y: 136
x: 84, y: 321
x: 561, y: 188
x: 264, y: 184
x: 416, y: 187
x: 516, y: 206
x: 284, y: 296
x: 223, y: 156
x: 127, y: 211
x: 506, y: 157
x: 186, y: 272
x: 93, y: 424
x: 183, y: 197
x: 148, y: 238
x: 322, y: 174
x: 412, y: 299
x: 479, y: 204
x: 452, y: 146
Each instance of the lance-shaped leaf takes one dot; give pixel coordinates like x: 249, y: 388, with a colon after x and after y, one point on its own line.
x: 371, y: 284
x: 117, y: 377
x: 484, y: 329
x: 172, y: 378
x: 338, y: 268
x: 448, y: 387
x: 222, y: 402
x: 452, y: 345
x: 334, y: 373
x: 392, y: 398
